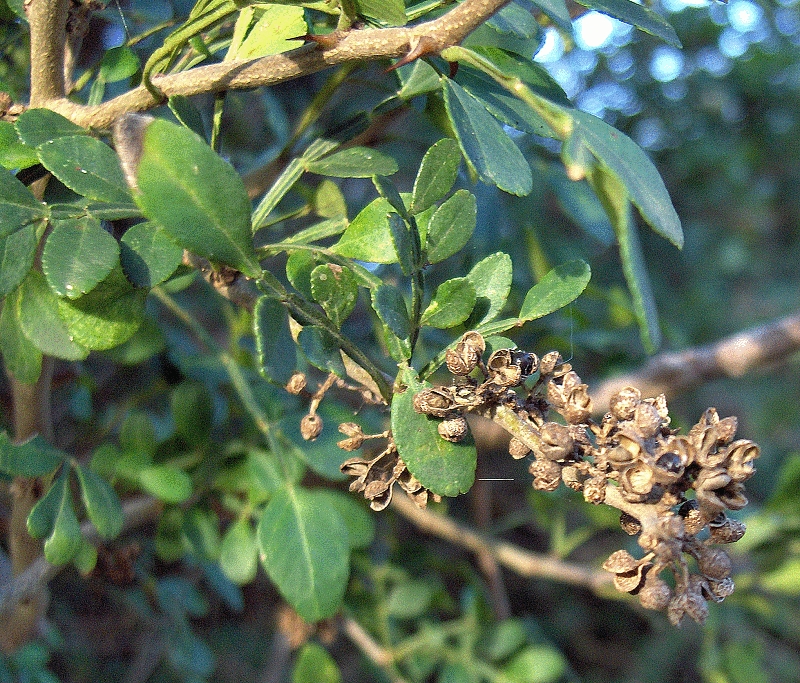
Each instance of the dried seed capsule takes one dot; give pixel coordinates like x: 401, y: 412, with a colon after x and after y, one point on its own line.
x: 620, y: 561
x: 623, y: 403
x: 557, y: 442
x: 528, y: 363
x: 630, y: 525
x: 296, y: 384
x: 655, y: 594
x: 546, y: 475
x: 713, y: 563
x: 693, y: 520
x: 453, y: 428
x: 502, y: 369
x: 647, y: 420
x: 464, y: 358
x: 729, y: 532
x: 517, y: 449
x: 310, y: 426
x: 594, y: 490
x: 434, y: 402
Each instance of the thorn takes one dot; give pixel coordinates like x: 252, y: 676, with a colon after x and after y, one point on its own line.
x: 419, y: 46
x: 453, y: 69
x: 326, y: 41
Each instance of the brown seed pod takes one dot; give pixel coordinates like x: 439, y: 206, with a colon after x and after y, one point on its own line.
x: 713, y: 563
x: 296, y: 384
x: 453, y: 429
x: 517, y: 449
x: 434, y: 402
x: 729, y: 532
x: 310, y: 426
x: 630, y: 525
x: 655, y: 594
x: 503, y: 370
x: 623, y: 403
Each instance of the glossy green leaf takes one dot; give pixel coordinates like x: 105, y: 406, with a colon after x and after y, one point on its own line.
x: 368, y: 237
x: 188, y: 114
x: 451, y: 226
x: 417, y: 78
x: 641, y: 180
x: 32, y: 458
x: 612, y: 194
x: 106, y: 316
x: 562, y: 285
x: 402, y: 240
x: 491, y: 279
x: 536, y: 664
x: 277, y: 356
x: 39, y: 318
x: 148, y: 254
x: 42, y: 516
x: 335, y: 288
x: 640, y: 16
x: 20, y: 357
x: 267, y: 30
x: 16, y: 257
x: 192, y: 411
x: 18, y: 206
x: 484, y: 143
x: 353, y: 162
x: 386, y: 12
x: 166, y: 483
x: 101, y: 501
x: 516, y: 20
x: 443, y: 467
x: 389, y: 304
x: 117, y: 64
x: 304, y: 548
x: 13, y: 152
x: 86, y: 166
x: 238, y: 555
x: 65, y: 540
x: 359, y: 521
x: 298, y: 271
x: 315, y: 665
x: 436, y: 175
x: 198, y: 198
x: 78, y: 254
x: 451, y: 305
x: 38, y: 126
x: 321, y: 350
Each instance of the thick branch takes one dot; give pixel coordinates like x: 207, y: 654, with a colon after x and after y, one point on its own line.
x: 523, y: 562
x: 48, y: 21
x: 734, y: 356
x: 356, y: 45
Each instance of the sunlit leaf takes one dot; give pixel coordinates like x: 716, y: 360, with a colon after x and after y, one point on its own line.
x: 451, y: 304
x: 451, y: 226
x: 353, y: 162
x: 436, y: 174
x: 562, y: 285
x: 335, y: 288
x: 267, y: 30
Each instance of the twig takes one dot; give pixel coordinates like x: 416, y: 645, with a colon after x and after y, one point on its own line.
x: 734, y: 356
x: 523, y: 562
x: 372, y: 650
x: 350, y: 46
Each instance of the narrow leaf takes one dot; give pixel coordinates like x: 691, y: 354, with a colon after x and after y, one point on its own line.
x: 32, y: 458
x: 354, y: 162
x: 198, y: 198
x: 78, y: 254
x: 188, y: 114
x: 562, y: 285
x: 335, y: 288
x: 451, y: 305
x: 389, y: 304
x: 304, y: 548
x: 484, y: 143
x: 101, y: 501
x: 443, y: 467
x: 277, y: 357
x: 451, y: 226
x: 65, y: 540
x: 42, y: 517
x: 402, y: 242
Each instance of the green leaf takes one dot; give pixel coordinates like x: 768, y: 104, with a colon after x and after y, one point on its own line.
x: 335, y: 288
x: 145, y: 343
x: 358, y: 520
x: 78, y: 254
x: 18, y: 206
x: 562, y: 285
x: 40, y: 321
x: 188, y: 114
x: 148, y: 255
x: 417, y: 78
x: 32, y: 458
x: 13, y: 152
x: 451, y: 305
x: 238, y: 555
x: 198, y: 198
x: 298, y: 271
x: 106, y: 316
x: 386, y: 12
x: 436, y: 175
x: 389, y: 304
x: 516, y: 20
x: 443, y: 467
x: 329, y: 202
x: 369, y: 236
x: 304, y: 548
x: 267, y: 30
x: 138, y: 434
x: 536, y: 664
x: 277, y: 356
x: 409, y: 599
x: 85, y: 559
x: 484, y: 143
x: 192, y: 411
x: 20, y: 356
x: 16, y: 257
x: 166, y: 483
x: 557, y: 11
x: 168, y: 540
x: 354, y: 162
x: 640, y: 16
x: 42, y: 516
x: 101, y: 502
x: 402, y: 242
x: 321, y: 350
x: 616, y: 202
x: 118, y: 63
x: 625, y: 159
x: 38, y: 126
x: 491, y: 279
x: 315, y: 665
x: 86, y: 166
x: 451, y: 226
x: 505, y: 639
x: 65, y: 540
x: 200, y: 531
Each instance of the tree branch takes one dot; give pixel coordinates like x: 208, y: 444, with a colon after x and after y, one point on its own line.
x: 350, y: 46
x: 734, y: 356
x: 48, y: 21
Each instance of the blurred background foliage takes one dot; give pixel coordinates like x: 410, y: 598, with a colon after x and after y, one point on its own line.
x: 721, y: 119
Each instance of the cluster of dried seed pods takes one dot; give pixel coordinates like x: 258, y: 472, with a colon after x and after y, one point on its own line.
x: 673, y: 491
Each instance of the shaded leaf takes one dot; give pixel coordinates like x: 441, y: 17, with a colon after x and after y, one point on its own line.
x: 321, y: 350
x: 335, y: 288
x: 42, y: 516
x: 436, y: 174
x: 556, y: 10
x: 353, y: 162
x: 192, y: 411
x: 451, y: 305
x: 277, y: 357
x: 238, y: 555
x: 16, y: 257
x: 417, y: 78
x: 198, y: 198
x: 315, y: 665
x: 304, y: 548
x: 77, y: 255
x: 562, y: 285
x: 451, y: 226
x: 443, y: 467
x: 188, y: 114
x: 18, y: 206
x: 402, y: 242
x: 65, y: 540
x: 200, y: 531
x: 515, y: 20
x: 148, y: 255
x: 358, y: 520
x: 32, y: 458
x: 389, y: 304
x: 166, y: 482
x: 386, y: 12
x: 101, y: 501
x: 20, y: 357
